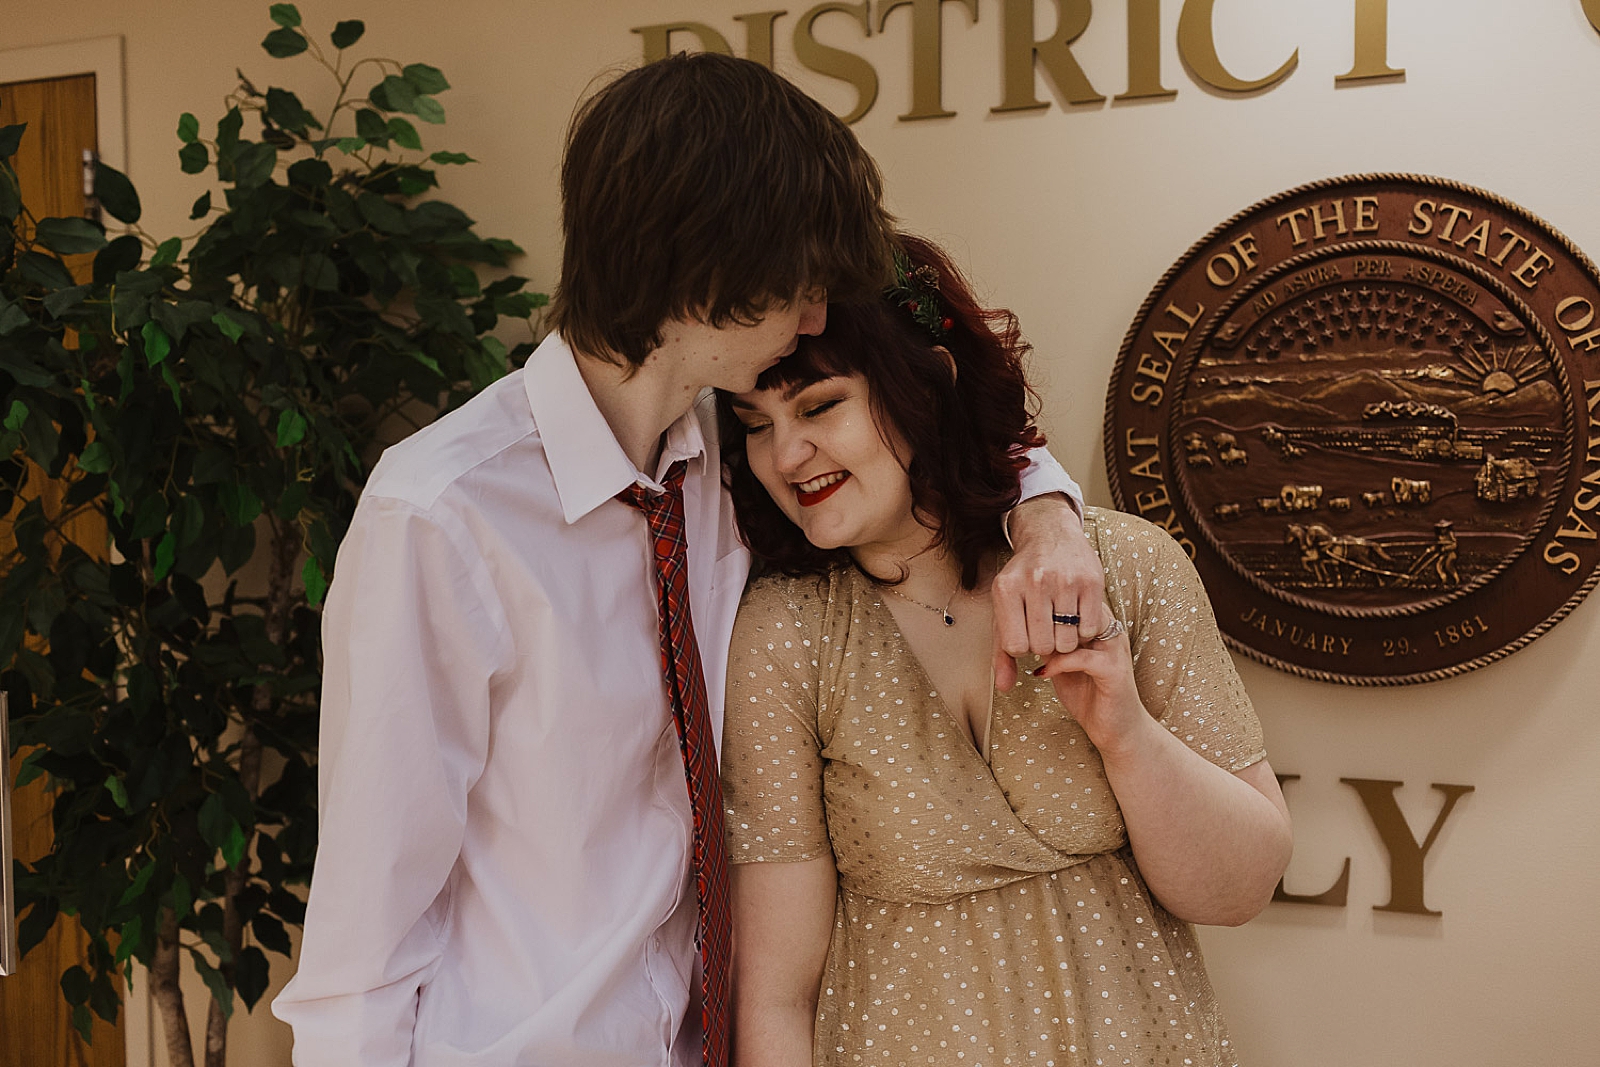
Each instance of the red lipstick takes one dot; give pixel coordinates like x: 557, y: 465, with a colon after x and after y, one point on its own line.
x: 812, y: 499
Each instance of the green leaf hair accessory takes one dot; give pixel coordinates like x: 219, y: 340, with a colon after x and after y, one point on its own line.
x: 917, y: 290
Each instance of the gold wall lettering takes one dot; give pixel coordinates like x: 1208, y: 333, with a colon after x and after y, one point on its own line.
x: 1372, y: 44
x: 834, y: 62
x: 927, y: 53
x: 1022, y: 53
x: 758, y: 35
x: 1197, y: 44
x: 1406, y: 856
x: 1144, y: 52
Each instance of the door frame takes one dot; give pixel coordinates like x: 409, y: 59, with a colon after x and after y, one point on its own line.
x: 100, y: 56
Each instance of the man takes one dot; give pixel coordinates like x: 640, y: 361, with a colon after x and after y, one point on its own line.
x: 511, y: 868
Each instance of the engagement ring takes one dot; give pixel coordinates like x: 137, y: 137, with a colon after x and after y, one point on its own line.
x: 1116, y: 629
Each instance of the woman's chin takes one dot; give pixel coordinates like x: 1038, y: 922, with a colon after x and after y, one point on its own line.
x: 825, y: 540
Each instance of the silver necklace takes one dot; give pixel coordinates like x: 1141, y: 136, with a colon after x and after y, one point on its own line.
x: 949, y: 619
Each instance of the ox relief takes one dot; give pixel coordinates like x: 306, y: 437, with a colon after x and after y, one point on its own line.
x: 1364, y: 407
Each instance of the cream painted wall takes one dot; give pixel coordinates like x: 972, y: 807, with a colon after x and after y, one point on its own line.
x: 1069, y: 217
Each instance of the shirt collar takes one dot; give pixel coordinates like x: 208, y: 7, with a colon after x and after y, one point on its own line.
x: 587, y: 463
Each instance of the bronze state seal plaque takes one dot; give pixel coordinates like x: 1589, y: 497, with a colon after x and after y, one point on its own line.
x: 1365, y: 407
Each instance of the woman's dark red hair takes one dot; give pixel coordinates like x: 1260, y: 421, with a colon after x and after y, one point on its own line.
x: 967, y: 434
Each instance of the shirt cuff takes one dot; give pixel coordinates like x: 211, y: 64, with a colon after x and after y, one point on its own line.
x: 1043, y: 476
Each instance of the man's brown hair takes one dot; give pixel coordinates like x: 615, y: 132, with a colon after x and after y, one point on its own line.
x: 703, y: 186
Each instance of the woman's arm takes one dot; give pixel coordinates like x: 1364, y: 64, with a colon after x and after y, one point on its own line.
x: 782, y: 921
x: 1210, y: 844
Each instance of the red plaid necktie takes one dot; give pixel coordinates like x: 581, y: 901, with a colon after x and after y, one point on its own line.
x: 686, y: 685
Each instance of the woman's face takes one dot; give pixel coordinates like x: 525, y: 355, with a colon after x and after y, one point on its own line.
x: 818, y: 452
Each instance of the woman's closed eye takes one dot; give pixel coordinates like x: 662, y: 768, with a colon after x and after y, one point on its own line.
x: 817, y: 409
x: 752, y: 429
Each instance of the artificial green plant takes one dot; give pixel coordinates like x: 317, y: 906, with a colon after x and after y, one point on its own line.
x: 218, y: 400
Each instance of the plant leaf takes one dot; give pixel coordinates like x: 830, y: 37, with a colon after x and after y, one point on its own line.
x: 75, y: 985
x: 283, y: 43
x: 116, y: 194
x: 202, y: 206
x: 348, y: 145
x: 10, y: 138
x: 370, y: 126
x: 12, y: 318
x: 188, y: 128
x: 316, y: 584
x: 118, y: 791
x: 214, y: 982
x: 10, y: 198
x: 44, y: 270
x: 404, y: 134
x: 194, y: 158
x: 428, y: 109
x: 291, y: 428
x: 284, y: 15
x: 250, y: 975
x: 65, y: 299
x: 70, y: 236
x: 95, y: 458
x: 253, y: 164
x: 157, y: 344
x: 347, y: 33
x: 122, y: 254
x: 167, y: 251
x: 425, y: 79
x: 285, y: 109
x: 240, y: 503
x: 394, y: 93
x: 233, y: 848
x: 166, y: 549
x: 230, y: 329
x: 458, y: 158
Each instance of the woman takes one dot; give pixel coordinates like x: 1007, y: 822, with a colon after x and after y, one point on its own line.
x: 931, y: 871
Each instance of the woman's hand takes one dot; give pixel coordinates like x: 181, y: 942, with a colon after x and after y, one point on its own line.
x: 1095, y: 684
x: 1053, y: 571
x: 1210, y: 844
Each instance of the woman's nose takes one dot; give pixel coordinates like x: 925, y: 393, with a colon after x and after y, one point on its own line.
x: 793, y: 449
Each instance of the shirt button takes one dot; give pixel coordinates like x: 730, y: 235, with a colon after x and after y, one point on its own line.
x: 658, y: 944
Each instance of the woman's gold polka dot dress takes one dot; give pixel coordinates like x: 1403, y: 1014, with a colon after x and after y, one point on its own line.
x: 990, y: 910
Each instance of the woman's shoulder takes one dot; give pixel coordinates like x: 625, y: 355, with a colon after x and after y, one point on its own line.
x: 1121, y: 536
x: 1144, y: 565
x: 800, y: 597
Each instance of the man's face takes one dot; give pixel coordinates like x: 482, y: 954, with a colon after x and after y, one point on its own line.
x: 732, y: 357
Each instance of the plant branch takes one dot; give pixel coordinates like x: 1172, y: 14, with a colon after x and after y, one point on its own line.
x: 168, y: 994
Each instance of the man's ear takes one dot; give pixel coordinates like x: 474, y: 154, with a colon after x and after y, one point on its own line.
x: 949, y: 361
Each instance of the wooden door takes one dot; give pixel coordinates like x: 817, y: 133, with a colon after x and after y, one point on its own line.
x: 35, y: 1024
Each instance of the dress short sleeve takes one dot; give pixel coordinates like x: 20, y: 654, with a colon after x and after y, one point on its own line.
x: 772, y: 763
x: 1183, y: 670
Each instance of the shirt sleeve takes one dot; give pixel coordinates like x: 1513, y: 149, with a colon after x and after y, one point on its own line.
x: 772, y: 764
x: 1183, y: 670
x: 1044, y: 476
x: 411, y: 638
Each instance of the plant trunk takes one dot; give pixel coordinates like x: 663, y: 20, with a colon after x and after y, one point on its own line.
x: 280, y: 602
x: 168, y: 993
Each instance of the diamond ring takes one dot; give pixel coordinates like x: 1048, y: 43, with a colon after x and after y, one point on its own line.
x: 1116, y: 629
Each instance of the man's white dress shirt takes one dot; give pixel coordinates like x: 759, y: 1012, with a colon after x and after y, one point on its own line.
x: 502, y: 876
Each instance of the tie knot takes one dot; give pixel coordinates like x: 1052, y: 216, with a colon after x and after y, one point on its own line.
x: 639, y: 497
